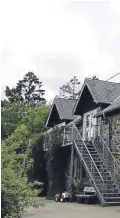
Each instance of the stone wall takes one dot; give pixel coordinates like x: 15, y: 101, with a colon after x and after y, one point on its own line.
x: 115, y: 135
x: 110, y: 131
x: 79, y: 176
x: 58, y: 171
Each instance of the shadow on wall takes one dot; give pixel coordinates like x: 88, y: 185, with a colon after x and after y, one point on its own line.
x: 56, y: 168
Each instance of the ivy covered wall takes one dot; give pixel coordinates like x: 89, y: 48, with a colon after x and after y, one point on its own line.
x: 56, y: 170
x: 58, y: 163
x: 115, y: 135
x: 110, y: 131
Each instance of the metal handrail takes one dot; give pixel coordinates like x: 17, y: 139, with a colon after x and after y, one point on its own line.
x: 89, y: 153
x: 100, y: 136
x: 93, y: 165
x: 110, y: 152
x: 105, y: 162
x: 88, y: 170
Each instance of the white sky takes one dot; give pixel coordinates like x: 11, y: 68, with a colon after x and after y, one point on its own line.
x: 59, y: 39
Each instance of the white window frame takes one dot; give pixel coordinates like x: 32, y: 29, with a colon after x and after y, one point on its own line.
x: 84, y: 123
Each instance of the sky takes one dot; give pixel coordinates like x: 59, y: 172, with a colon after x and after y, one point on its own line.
x: 58, y: 40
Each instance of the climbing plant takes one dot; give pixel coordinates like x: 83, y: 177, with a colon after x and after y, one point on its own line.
x: 54, y: 161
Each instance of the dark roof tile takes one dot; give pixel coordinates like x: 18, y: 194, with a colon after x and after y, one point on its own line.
x: 103, y: 91
x: 114, y: 106
x: 65, y: 108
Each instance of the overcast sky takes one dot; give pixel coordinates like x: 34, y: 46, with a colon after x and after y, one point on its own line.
x: 59, y: 39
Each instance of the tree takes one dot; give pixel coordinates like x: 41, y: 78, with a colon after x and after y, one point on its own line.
x: 35, y: 118
x: 11, y: 115
x: 24, y: 127
x: 16, y: 191
x: 71, y: 89
x: 28, y: 90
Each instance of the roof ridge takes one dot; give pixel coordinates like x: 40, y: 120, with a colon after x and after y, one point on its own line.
x: 101, y: 80
x: 117, y: 98
x: 65, y: 99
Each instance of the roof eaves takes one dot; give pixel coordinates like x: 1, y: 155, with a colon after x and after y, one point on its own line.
x: 84, y: 84
x: 74, y: 108
x: 49, y: 114
x: 108, y: 109
x: 54, y: 103
x: 58, y: 110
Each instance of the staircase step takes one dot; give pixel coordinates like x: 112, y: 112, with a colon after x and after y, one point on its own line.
x: 90, y: 149
x: 112, y: 200
x: 96, y: 160
x: 111, y: 194
x: 103, y: 170
x: 93, y: 155
x: 105, y: 181
x: 104, y: 173
x: 109, y: 188
x: 113, y: 203
x: 112, y: 197
x: 97, y: 178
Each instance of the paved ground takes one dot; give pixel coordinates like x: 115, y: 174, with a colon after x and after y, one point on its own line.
x: 51, y: 209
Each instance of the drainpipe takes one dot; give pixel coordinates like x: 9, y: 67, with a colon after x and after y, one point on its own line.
x: 104, y: 116
x: 109, y: 133
x: 107, y: 121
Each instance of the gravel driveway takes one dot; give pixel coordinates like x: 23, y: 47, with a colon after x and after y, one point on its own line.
x: 51, y: 209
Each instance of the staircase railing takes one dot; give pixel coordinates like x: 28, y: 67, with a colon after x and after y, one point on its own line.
x: 88, y: 161
x: 109, y: 158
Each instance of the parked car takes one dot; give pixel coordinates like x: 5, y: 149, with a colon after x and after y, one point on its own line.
x: 62, y: 196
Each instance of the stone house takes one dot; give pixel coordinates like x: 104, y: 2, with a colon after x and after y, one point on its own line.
x: 92, y: 134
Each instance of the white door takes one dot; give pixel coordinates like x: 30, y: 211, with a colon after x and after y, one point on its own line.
x: 93, y: 125
x: 89, y: 125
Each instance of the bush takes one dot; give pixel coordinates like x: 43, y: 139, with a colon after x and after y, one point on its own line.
x: 16, y: 192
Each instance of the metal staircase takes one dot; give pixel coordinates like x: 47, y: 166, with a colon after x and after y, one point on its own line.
x: 105, y: 183
x: 103, y: 149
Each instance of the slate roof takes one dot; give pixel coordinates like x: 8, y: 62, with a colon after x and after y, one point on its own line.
x: 102, y: 91
x: 65, y: 108
x: 114, y: 106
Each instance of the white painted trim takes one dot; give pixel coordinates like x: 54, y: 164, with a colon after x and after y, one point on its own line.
x: 49, y: 114
x: 84, y: 123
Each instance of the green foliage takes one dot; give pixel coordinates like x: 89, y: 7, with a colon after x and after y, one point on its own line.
x: 16, y: 192
x: 35, y: 118
x: 71, y: 89
x: 28, y: 90
x: 56, y: 160
x: 17, y: 158
x: 11, y: 115
x: 22, y: 124
x: 54, y: 140
x: 38, y: 170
